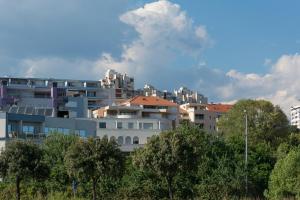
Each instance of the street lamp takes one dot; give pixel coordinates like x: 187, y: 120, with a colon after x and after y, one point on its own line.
x: 246, y: 152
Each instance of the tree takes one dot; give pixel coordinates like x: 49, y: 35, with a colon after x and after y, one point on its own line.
x: 56, y: 146
x: 285, y: 178
x: 217, y: 171
x: 93, y: 160
x: 266, y: 123
x: 168, y: 156
x: 21, y: 160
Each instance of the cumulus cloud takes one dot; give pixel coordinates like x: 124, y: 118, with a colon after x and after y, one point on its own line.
x: 281, y: 85
x: 166, y: 36
x: 166, y: 53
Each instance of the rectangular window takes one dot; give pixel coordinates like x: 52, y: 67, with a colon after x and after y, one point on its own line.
x: 9, y: 128
x: 130, y: 125
x: 60, y: 130
x: 201, y: 126
x: 46, y: 130
x: 82, y: 133
x: 28, y: 129
x: 102, y: 124
x: 66, y: 131
x: 199, y: 116
x: 119, y: 125
x: 148, y: 125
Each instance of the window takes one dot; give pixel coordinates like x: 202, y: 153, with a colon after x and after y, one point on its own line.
x: 128, y: 140
x: 82, y: 133
x: 199, y: 116
x: 135, y: 140
x: 60, y: 130
x: 201, y: 126
x: 46, y: 130
x: 148, y: 126
x: 66, y: 131
x: 119, y: 125
x: 9, y: 128
x: 130, y: 125
x: 102, y: 124
x: 120, y: 140
x: 28, y: 129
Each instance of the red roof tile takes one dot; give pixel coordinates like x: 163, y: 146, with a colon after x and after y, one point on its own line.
x: 150, y: 101
x: 219, y: 107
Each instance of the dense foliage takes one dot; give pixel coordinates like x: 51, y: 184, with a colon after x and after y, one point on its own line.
x: 185, y: 163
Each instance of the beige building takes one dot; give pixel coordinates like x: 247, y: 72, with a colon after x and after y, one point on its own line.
x: 204, y: 115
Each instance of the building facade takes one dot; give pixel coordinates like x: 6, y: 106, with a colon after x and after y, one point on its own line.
x: 295, y: 116
x: 52, y: 97
x: 205, y: 116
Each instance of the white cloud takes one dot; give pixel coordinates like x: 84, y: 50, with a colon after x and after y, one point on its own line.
x: 281, y: 85
x: 166, y: 53
x: 165, y: 34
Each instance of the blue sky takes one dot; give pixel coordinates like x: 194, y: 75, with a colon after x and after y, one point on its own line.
x: 226, y: 49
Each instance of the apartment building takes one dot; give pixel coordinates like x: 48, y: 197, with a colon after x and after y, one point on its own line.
x: 295, y: 116
x: 204, y: 115
x: 52, y: 97
x: 181, y: 96
x: 184, y: 95
x: 37, y: 127
x: 122, y: 84
x: 134, y: 121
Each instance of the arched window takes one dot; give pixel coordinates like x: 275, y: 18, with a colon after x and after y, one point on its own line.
x: 120, y: 140
x: 128, y: 140
x: 135, y: 140
x: 112, y: 138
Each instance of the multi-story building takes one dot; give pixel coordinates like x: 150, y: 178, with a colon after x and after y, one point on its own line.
x: 295, y: 116
x: 181, y: 96
x: 184, y: 95
x: 204, y: 115
x: 122, y: 84
x: 134, y: 121
x: 37, y: 127
x: 52, y: 97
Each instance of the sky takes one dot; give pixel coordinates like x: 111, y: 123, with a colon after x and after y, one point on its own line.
x: 226, y: 50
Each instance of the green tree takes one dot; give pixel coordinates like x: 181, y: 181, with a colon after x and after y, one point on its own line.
x: 266, y: 123
x: 169, y: 156
x: 94, y: 160
x: 21, y: 160
x: 285, y: 178
x: 261, y: 160
x: 56, y: 146
x: 217, y: 171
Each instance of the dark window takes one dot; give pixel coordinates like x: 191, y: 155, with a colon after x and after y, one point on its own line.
x: 102, y: 125
x: 199, y: 116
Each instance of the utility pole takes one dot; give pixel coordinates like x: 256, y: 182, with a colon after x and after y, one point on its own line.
x: 246, y: 152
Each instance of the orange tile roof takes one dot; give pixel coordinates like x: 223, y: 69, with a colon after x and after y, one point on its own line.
x: 150, y: 101
x: 219, y: 107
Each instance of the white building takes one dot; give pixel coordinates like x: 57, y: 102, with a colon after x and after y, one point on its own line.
x: 134, y: 121
x: 123, y: 84
x: 295, y: 116
x: 185, y: 95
